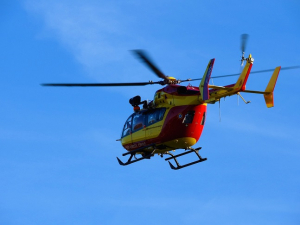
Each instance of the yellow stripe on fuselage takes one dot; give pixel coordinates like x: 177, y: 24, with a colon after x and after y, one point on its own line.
x: 126, y: 140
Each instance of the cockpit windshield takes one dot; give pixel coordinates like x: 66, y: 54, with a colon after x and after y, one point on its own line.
x: 127, y: 127
x: 154, y: 116
x: 142, y: 119
x: 138, y: 121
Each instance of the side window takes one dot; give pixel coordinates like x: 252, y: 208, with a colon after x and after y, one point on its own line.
x: 189, y: 117
x: 127, y: 127
x: 138, y: 122
x: 152, y: 117
x: 155, y: 116
x: 203, y: 119
x: 161, y: 113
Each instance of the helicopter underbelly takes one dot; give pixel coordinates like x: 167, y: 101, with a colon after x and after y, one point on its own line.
x: 174, y: 132
x: 180, y: 143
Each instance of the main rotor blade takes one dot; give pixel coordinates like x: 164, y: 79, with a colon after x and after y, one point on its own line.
x: 143, y: 56
x: 237, y: 74
x: 101, y: 84
x: 244, y: 38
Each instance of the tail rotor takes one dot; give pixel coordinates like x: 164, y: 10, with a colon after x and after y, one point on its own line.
x: 244, y: 39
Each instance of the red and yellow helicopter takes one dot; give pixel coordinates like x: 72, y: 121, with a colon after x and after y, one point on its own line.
x: 176, y: 117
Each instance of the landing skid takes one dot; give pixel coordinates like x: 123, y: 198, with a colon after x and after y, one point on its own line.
x: 129, y: 161
x: 196, y: 151
x: 148, y: 155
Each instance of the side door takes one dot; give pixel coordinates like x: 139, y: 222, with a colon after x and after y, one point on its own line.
x: 154, y: 122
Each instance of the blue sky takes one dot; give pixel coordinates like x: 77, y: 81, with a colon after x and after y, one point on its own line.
x: 58, y: 145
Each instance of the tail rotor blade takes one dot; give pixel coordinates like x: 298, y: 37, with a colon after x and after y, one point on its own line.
x: 244, y: 39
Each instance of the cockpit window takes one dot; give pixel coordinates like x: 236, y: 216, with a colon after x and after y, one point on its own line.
x: 142, y: 119
x: 152, y: 117
x: 155, y: 116
x: 138, y: 122
x: 161, y: 113
x: 127, y: 127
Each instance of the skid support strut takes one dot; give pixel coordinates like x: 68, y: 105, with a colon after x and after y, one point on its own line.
x: 196, y: 151
x: 145, y: 155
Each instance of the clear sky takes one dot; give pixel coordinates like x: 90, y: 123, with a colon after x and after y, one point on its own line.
x: 58, y: 146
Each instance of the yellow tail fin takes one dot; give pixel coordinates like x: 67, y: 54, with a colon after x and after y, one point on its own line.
x: 269, y: 98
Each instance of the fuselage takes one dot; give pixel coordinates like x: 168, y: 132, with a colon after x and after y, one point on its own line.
x: 176, y: 121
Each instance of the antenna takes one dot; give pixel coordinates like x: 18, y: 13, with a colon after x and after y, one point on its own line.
x: 220, y: 110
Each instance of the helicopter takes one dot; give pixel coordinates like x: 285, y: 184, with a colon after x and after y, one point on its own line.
x: 175, y: 118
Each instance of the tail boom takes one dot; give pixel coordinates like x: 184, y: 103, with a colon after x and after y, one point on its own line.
x: 218, y: 92
x: 215, y: 93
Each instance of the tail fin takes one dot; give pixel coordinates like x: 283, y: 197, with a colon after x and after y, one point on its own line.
x: 269, y: 98
x: 203, y: 87
x: 240, y: 85
x: 268, y: 93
